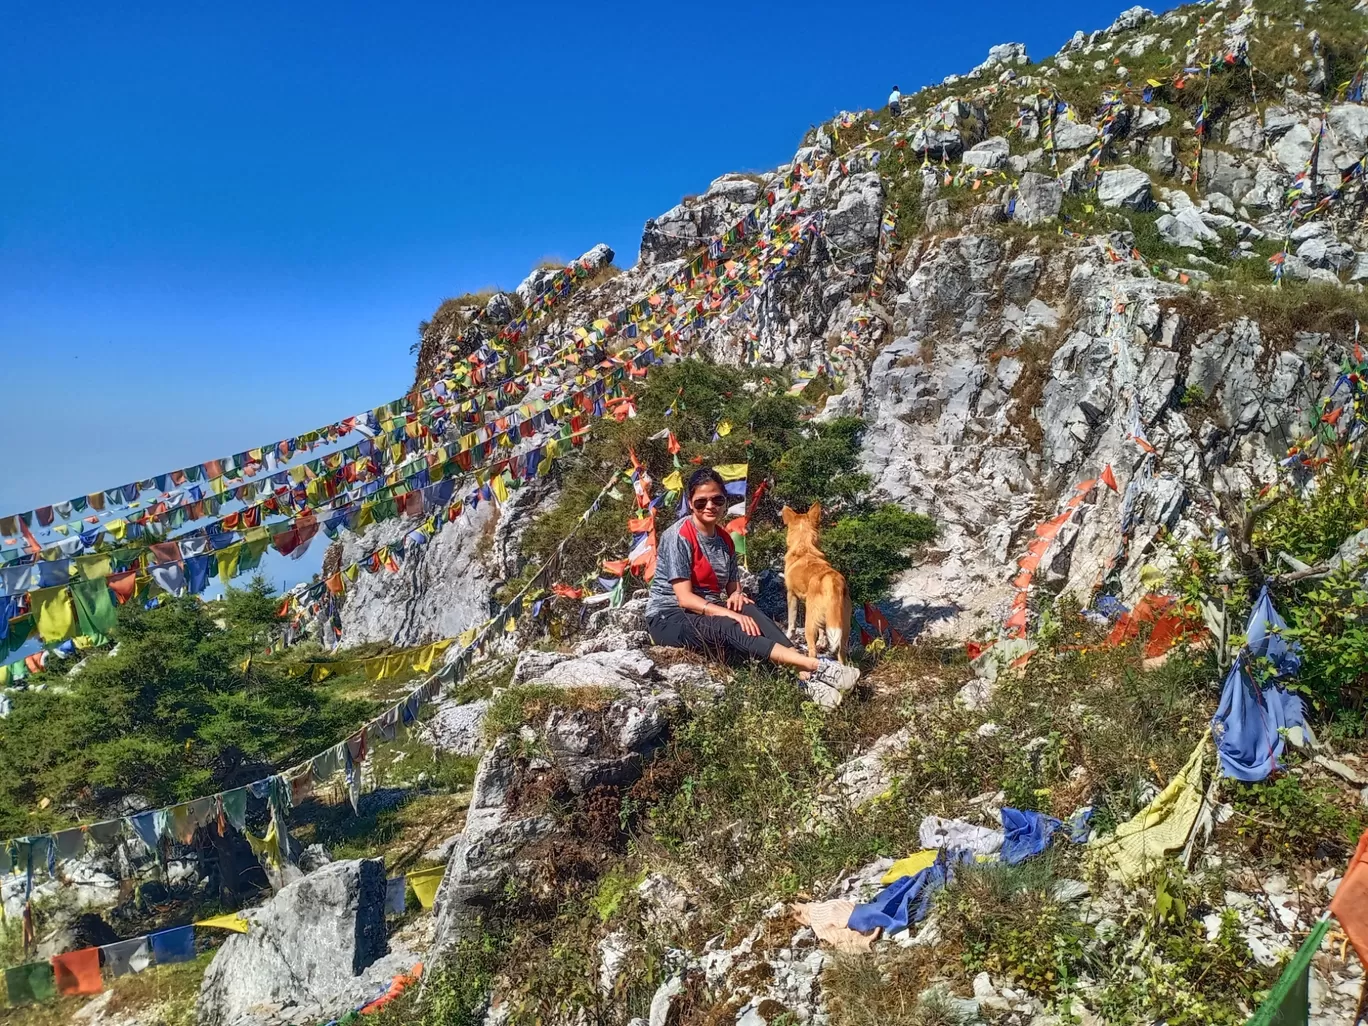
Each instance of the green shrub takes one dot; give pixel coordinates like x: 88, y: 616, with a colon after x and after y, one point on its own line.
x: 1313, y: 523
x: 822, y: 466
x: 806, y: 462
x: 1286, y: 820
x: 872, y: 547
x: 170, y: 715
x: 1162, y: 967
x: 1005, y: 921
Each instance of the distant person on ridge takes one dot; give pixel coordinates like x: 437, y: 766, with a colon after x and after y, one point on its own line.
x: 895, y: 103
x: 696, y: 599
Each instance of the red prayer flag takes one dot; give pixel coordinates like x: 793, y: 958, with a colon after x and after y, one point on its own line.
x: 875, y: 617
x: 123, y: 585
x: 78, y: 972
x: 1108, y: 478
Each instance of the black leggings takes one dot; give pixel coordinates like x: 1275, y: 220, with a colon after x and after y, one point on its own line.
x: 717, y: 636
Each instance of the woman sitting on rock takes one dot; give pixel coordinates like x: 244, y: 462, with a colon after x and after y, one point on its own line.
x: 696, y: 599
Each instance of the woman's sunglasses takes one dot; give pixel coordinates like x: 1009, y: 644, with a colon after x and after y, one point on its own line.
x: 710, y: 500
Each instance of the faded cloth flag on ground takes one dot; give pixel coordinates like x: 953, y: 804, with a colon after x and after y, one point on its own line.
x: 1162, y: 826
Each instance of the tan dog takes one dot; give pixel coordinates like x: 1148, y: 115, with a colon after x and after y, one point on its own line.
x: 808, y: 576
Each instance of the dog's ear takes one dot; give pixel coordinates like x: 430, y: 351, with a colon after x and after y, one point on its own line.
x: 814, y: 513
x: 787, y: 514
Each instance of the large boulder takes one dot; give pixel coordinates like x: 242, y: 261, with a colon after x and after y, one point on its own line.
x: 313, y: 952
x: 614, y: 716
x: 854, y: 224
x: 990, y: 154
x: 1073, y: 135
x: 1039, y: 198
x: 1327, y: 253
x: 1349, y: 123
x: 1186, y: 229
x: 1124, y: 186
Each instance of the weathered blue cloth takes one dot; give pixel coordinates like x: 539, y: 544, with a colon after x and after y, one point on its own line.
x: 1079, y: 824
x: 1264, y: 637
x: 176, y: 945
x: 1025, y: 834
x: 197, y: 573
x: 907, y: 899
x: 1247, y: 724
x: 149, y: 827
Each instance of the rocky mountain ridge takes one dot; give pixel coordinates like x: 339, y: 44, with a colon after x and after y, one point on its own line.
x: 1018, y: 282
x: 1056, y: 282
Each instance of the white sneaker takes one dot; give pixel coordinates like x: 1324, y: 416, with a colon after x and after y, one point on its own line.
x: 823, y: 694
x: 840, y: 676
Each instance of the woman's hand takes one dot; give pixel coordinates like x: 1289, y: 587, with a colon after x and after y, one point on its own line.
x: 737, y: 600
x: 747, y: 623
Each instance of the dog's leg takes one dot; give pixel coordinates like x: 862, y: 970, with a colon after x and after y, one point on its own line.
x: 792, y: 614
x: 813, y: 629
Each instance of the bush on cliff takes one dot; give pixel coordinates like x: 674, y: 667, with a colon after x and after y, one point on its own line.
x: 806, y: 462
x: 170, y: 715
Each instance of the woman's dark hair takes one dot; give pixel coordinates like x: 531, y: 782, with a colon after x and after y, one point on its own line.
x: 700, y: 477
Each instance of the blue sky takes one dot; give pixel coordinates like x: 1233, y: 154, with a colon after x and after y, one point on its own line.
x: 221, y: 223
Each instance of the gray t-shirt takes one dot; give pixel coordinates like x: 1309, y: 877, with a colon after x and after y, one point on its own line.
x: 674, y: 562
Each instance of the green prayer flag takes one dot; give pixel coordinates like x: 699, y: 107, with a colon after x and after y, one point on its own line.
x: 95, y: 610
x: 1289, y: 1002
x: 20, y: 629
x: 29, y: 983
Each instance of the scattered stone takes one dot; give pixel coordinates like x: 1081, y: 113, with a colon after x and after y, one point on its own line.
x: 457, y: 727
x: 1126, y: 187
x: 990, y: 154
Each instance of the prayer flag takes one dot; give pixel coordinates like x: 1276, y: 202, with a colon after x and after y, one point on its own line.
x: 78, y: 972
x: 425, y: 883
x: 1289, y: 1002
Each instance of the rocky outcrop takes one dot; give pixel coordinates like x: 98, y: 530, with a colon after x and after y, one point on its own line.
x: 315, y: 951
x: 442, y: 586
x: 614, y: 715
x: 998, y: 367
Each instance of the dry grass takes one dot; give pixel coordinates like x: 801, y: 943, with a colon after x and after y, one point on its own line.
x: 887, y: 990
x: 158, y: 996
x: 1035, y: 355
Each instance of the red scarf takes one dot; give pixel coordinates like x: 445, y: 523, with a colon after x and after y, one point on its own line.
x: 702, y: 574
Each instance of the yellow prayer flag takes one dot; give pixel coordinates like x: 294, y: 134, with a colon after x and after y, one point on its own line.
x: 673, y: 482
x: 53, y: 613
x: 425, y: 883
x: 910, y: 866
x: 227, y: 558
x: 229, y: 921
x: 93, y: 567
x: 1140, y: 844
x: 499, y: 489
x: 733, y: 471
